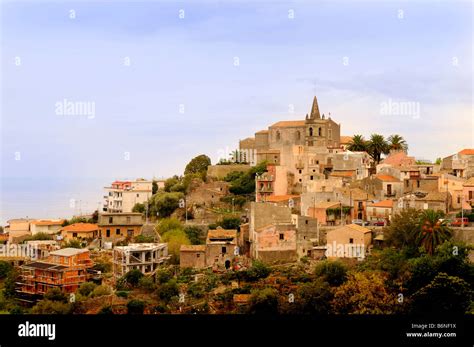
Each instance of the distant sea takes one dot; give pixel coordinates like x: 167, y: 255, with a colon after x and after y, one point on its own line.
x: 50, y: 197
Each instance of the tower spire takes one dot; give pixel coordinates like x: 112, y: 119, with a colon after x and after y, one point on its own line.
x: 315, y: 109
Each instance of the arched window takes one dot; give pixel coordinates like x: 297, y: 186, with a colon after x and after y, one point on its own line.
x: 319, y: 131
x: 278, y: 136
x: 310, y: 131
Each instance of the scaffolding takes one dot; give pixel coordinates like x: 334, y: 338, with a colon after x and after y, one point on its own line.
x: 145, y: 257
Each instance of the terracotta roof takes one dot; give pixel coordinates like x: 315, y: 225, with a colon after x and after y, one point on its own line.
x: 469, y: 182
x: 383, y: 203
x: 343, y: 173
x: 353, y: 227
x: 242, y: 298
x: 289, y: 123
x: 192, y: 248
x: 387, y: 178
x: 325, y: 204
x: 279, y: 198
x: 467, y: 151
x: 345, y: 139
x: 80, y: 227
x: 221, y: 233
x: 48, y: 222
x: 399, y: 159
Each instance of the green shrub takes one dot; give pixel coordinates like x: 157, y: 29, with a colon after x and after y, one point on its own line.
x: 333, y: 272
x: 136, y: 307
x: 86, y: 288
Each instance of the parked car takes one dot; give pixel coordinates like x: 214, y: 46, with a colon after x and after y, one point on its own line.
x: 457, y: 222
x: 359, y: 222
x: 378, y: 222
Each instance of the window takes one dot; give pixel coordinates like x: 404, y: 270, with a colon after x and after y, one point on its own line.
x: 317, y: 162
x: 278, y: 136
x: 138, y: 195
x: 198, y: 255
x: 306, y: 222
x: 310, y: 143
x: 108, y: 232
x: 74, y: 234
x: 111, y: 220
x: 311, y: 178
x: 282, y: 236
x: 298, y: 135
x: 407, y: 183
x: 117, y: 231
x: 351, y: 240
x: 314, y: 170
x: 310, y: 132
x: 360, y: 205
x: 129, y: 219
x: 459, y: 199
x: 418, y: 184
x: 299, y: 171
x: 320, y: 131
x: 299, y: 180
x: 330, y: 134
x: 224, y: 250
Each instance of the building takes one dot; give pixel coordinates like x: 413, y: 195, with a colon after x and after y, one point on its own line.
x: 46, y: 226
x: 460, y: 164
x: 80, y: 231
x: 65, y: 269
x: 307, y: 235
x: 380, y: 210
x: 207, y: 194
x: 303, y: 147
x: 468, y: 194
x: 349, y: 241
x: 221, y: 247
x: 351, y: 166
x: 455, y: 186
x: 192, y: 256
x: 121, y: 196
x: 219, y: 251
x: 437, y: 201
x: 119, y: 226
x: 276, y: 243
x: 382, y: 186
x: 326, y: 212
x: 18, y: 229
x: 146, y: 257
x: 272, y: 182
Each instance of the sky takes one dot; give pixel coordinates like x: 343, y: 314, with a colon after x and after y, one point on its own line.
x: 170, y: 80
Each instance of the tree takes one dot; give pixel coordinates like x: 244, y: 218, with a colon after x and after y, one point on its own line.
x: 230, y: 223
x: 444, y: 295
x: 264, y: 301
x: 313, y: 298
x: 135, y: 307
x: 39, y: 236
x: 139, y: 208
x: 154, y: 187
x: 258, y: 270
x: 195, y: 235
x: 55, y: 294
x: 333, y: 272
x: 397, y: 143
x: 51, y: 307
x: 175, y: 238
x: 198, y: 164
x: 403, y: 230
x: 86, y: 288
x: 364, y: 293
x: 167, y: 224
x: 164, y: 204
x: 5, y: 269
x: 167, y: 290
x: 244, y: 183
x: 377, y: 146
x: 74, y: 243
x: 133, y: 277
x: 438, y: 161
x: 358, y: 144
x: 434, y: 230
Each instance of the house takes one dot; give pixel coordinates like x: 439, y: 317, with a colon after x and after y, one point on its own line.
x: 208, y: 193
x: 345, y: 141
x: 460, y: 164
x: 121, y: 196
x: 437, y: 201
x: 46, y: 226
x: 468, y: 194
x: 145, y: 257
x: 307, y: 235
x: 65, y: 269
x: 221, y: 247
x: 276, y: 243
x: 455, y: 186
x: 193, y: 256
x: 324, y: 212
x: 348, y: 241
x: 81, y: 231
x: 42, y: 248
x: 381, y: 186
x: 119, y: 226
x: 273, y: 182
x: 397, y: 159
x: 356, y: 199
x: 18, y: 229
x: 353, y: 165
x: 380, y: 210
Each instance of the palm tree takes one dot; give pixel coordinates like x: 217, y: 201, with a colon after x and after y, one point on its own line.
x: 377, y: 146
x: 397, y: 143
x: 357, y: 144
x: 434, y: 230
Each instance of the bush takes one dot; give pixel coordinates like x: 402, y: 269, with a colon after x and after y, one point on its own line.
x: 196, y: 290
x: 55, y: 294
x: 101, y: 291
x: 102, y: 265
x: 133, y: 277
x: 147, y: 284
x: 168, y: 224
x: 143, y: 239
x: 136, y: 307
x: 163, y: 276
x: 86, y: 288
x: 168, y: 290
x: 122, y: 294
x: 73, y: 244
x: 259, y: 270
x: 333, y: 272
x: 264, y: 301
x: 106, y: 310
x: 51, y: 307
x: 5, y: 269
x: 311, y: 298
x: 175, y: 238
x: 195, y: 235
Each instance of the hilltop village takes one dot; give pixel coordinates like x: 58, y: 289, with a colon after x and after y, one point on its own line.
x: 300, y: 219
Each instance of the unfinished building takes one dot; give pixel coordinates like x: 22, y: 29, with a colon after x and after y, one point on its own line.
x: 146, y: 257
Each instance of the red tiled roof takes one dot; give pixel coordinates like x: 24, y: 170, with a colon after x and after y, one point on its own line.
x: 80, y: 227
x: 467, y: 151
x: 387, y: 178
x: 383, y: 203
x: 278, y: 198
x: 343, y: 173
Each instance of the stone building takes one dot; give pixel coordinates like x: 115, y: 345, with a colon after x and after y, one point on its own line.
x: 193, y: 256
x: 460, y: 164
x: 276, y: 243
x: 119, y: 226
x: 221, y: 247
x: 348, y: 241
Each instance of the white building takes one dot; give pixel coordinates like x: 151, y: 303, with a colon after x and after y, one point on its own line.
x: 121, y: 196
